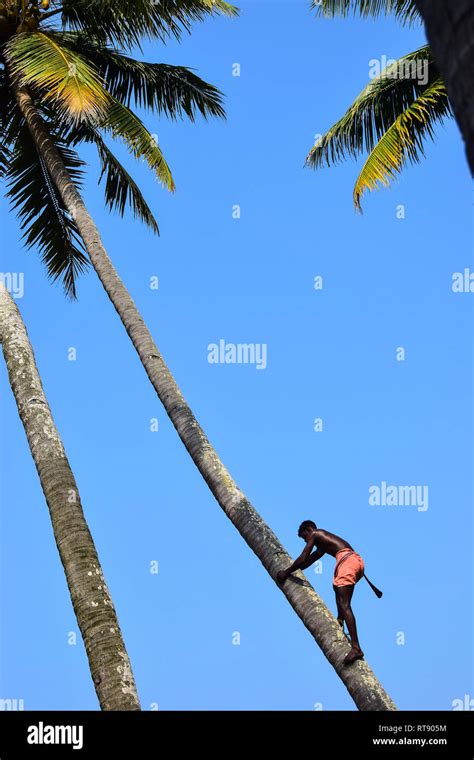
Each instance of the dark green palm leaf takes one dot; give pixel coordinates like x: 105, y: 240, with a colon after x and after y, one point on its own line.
x: 175, y: 91
x: 120, y: 188
x: 43, y: 218
x: 127, y: 22
x: 5, y: 159
x: 405, y: 10
x: 375, y: 110
x: 7, y: 103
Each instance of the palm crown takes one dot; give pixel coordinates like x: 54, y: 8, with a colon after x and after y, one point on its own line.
x: 393, y: 115
x: 85, y: 86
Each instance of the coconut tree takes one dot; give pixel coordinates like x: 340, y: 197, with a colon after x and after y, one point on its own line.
x: 83, y: 84
x: 96, y: 617
x: 76, y: 84
x: 394, y: 115
x: 450, y: 30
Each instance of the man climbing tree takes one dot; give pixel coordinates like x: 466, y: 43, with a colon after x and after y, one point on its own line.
x: 348, y: 571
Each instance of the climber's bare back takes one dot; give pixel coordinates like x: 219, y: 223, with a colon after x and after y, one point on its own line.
x: 328, y: 542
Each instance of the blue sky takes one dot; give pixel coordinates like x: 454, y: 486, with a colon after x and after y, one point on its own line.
x: 331, y: 355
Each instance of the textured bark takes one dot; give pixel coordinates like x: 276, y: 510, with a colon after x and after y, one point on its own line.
x: 95, y: 613
x: 367, y: 692
x: 450, y: 30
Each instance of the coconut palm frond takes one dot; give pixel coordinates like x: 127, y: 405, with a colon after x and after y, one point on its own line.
x: 122, y: 123
x: 43, y: 217
x: 174, y: 91
x: 404, y: 140
x: 58, y: 74
x: 121, y: 190
x: 377, y: 107
x: 127, y: 23
x: 404, y: 10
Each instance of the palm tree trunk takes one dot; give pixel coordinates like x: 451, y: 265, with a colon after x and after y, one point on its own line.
x: 450, y: 30
x: 359, y: 679
x: 96, y: 616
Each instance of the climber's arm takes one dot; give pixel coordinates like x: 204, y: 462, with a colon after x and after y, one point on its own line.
x: 306, y: 558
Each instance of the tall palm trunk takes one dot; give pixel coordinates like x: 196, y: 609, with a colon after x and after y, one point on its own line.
x: 96, y: 616
x: 362, y: 684
x: 450, y: 30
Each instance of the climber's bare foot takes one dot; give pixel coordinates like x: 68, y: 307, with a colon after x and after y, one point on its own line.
x: 356, y: 653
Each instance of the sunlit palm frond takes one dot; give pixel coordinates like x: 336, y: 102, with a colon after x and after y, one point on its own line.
x: 404, y: 140
x: 60, y: 75
x: 175, y: 91
x: 377, y: 107
x: 121, y: 122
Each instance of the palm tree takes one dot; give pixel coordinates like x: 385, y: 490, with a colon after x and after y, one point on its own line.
x: 395, y: 113
x: 97, y: 99
x: 83, y: 84
x: 450, y: 29
x: 108, y: 659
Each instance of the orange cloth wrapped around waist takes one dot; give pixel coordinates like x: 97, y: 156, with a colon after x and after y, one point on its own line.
x: 349, y: 568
